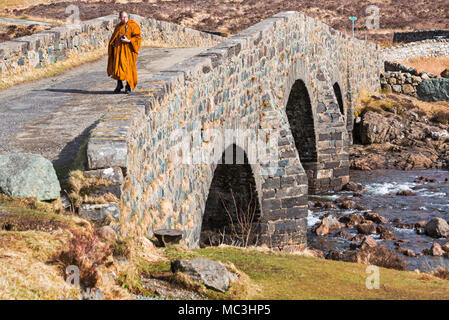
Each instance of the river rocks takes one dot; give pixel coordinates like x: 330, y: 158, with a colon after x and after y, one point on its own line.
x: 375, y: 217
x: 420, y: 224
x: 406, y: 193
x: 368, y: 242
x: 27, y: 175
x: 328, y: 223
x: 435, y: 250
x: 377, y: 255
x: 352, y: 220
x: 437, y: 228
x: 386, y: 232
x: 423, y: 179
x: 406, y: 252
x: 433, y: 90
x: 99, y: 212
x: 367, y: 228
x: 213, y: 275
x: 352, y: 186
x: 445, y: 73
x: 445, y: 247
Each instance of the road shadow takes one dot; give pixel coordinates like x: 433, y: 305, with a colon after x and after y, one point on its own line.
x: 74, y: 155
x: 79, y: 91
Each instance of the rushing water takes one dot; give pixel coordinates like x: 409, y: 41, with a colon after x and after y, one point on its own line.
x: 379, y: 195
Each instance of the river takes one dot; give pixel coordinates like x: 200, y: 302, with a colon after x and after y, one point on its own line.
x: 430, y: 199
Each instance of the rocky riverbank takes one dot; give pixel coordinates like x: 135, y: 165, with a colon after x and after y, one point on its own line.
x: 398, y: 218
x: 400, y: 132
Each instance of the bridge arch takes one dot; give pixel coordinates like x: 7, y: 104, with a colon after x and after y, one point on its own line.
x: 339, y: 96
x: 302, y: 125
x: 232, y: 210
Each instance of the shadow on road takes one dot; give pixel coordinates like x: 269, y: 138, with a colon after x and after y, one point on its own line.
x: 79, y: 91
x: 74, y: 155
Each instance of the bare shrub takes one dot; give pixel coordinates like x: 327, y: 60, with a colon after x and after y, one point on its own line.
x: 442, y: 273
x: 87, y: 253
x: 243, y: 224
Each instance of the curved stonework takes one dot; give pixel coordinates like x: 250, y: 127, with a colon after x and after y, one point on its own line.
x: 243, y: 84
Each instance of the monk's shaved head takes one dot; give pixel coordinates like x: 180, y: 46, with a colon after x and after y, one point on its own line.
x: 123, y: 16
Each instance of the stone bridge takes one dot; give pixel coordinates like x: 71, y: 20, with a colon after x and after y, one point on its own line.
x: 290, y: 80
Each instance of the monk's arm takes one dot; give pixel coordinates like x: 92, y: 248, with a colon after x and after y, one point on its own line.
x: 111, y: 40
x: 136, y: 39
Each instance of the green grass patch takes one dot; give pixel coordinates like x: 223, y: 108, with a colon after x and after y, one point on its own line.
x: 288, y: 276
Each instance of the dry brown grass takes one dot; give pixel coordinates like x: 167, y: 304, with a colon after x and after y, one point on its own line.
x: 80, y: 187
x: 87, y: 253
x: 397, y: 103
x: 26, y: 74
x: 442, y: 273
x: 434, y: 65
x: 24, y: 273
x: 31, y: 203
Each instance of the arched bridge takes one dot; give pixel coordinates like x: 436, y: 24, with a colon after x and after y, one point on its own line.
x: 278, y: 96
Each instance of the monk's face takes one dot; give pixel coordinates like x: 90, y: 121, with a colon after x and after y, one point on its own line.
x: 124, y: 18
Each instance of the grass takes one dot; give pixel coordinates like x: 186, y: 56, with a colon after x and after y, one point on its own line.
x: 273, y: 275
x: 24, y: 273
x: 14, y: 77
x: 434, y: 65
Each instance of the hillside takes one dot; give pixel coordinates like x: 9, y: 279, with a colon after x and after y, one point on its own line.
x: 232, y: 16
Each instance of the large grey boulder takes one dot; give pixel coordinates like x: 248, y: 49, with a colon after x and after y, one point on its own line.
x: 433, y: 90
x: 26, y: 175
x: 437, y: 228
x: 213, y: 275
x: 376, y: 128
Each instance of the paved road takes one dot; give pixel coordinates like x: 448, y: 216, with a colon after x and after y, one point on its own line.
x: 52, y: 116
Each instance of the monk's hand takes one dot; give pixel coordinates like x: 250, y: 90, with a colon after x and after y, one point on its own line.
x: 125, y: 39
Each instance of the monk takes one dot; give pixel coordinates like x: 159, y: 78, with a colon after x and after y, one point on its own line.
x: 123, y: 49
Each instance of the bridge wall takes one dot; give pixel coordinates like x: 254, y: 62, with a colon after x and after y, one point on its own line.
x: 57, y: 44
x: 243, y: 83
x: 424, y: 48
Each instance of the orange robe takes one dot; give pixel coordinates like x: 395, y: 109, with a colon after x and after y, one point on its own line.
x: 122, y: 56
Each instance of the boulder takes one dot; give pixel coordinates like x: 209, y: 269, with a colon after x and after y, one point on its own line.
x: 375, y: 217
x: 352, y: 220
x: 99, y: 212
x: 213, y: 275
x: 406, y: 193
x: 366, y: 228
x: 352, y: 186
x: 434, y: 90
x: 376, y: 128
x: 445, y: 247
x: 445, y: 73
x: 328, y: 223
x: 27, y: 175
x: 436, y: 250
x: 437, y: 228
x: 368, y: 242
